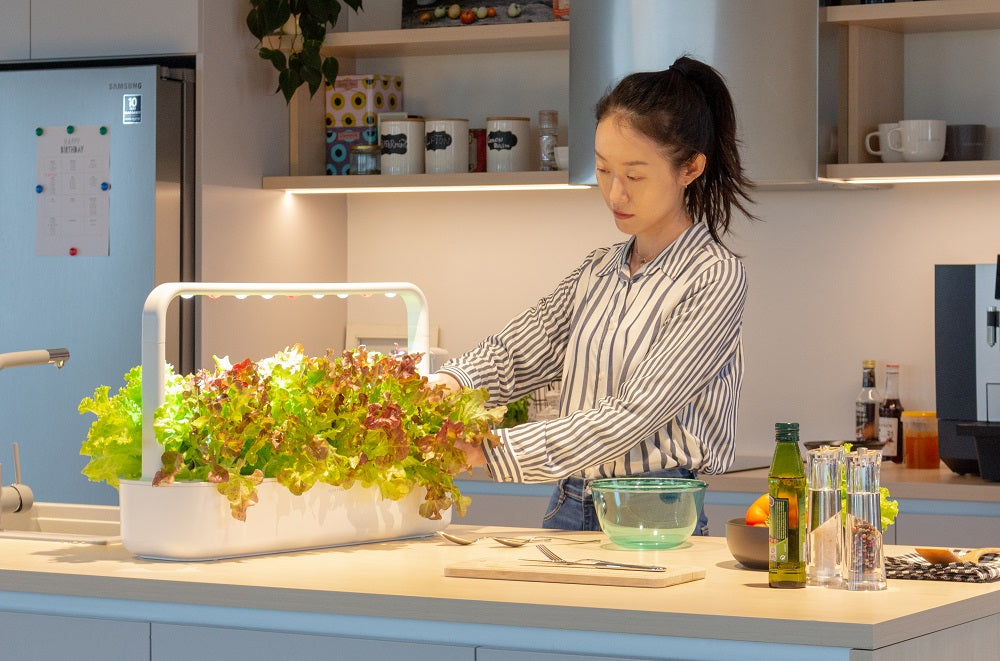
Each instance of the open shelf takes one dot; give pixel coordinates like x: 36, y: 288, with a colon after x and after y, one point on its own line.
x: 912, y: 17
x: 872, y: 95
x: 465, y: 40
x: 901, y: 172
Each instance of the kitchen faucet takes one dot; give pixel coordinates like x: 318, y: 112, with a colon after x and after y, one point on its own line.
x: 18, y: 497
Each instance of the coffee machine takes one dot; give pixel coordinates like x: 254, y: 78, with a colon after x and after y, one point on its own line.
x: 967, y: 367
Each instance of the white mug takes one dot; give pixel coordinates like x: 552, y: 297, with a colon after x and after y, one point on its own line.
x: 402, y: 143
x: 446, y: 145
x: 507, y: 141
x: 918, y: 139
x: 888, y: 155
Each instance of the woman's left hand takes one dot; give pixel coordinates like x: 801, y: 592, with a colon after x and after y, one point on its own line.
x: 473, y: 454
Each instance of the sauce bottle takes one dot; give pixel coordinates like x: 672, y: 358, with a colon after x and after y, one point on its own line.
x: 786, y: 532
x: 890, y: 417
x: 866, y: 409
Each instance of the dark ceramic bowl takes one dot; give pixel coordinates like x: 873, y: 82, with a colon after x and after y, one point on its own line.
x: 748, y: 544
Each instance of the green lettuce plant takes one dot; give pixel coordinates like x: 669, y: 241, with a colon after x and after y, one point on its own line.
x: 360, y: 418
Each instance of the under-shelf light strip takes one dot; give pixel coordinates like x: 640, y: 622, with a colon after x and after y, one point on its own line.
x: 912, y: 180
x: 433, y: 189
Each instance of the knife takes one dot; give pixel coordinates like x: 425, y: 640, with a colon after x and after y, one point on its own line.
x: 598, y: 564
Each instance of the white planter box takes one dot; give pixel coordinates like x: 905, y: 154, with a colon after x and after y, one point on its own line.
x: 192, y: 521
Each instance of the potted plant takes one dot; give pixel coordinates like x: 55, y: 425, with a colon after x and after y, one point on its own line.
x: 314, y: 427
x: 303, y: 24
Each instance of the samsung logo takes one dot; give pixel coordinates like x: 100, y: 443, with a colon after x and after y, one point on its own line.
x: 124, y: 86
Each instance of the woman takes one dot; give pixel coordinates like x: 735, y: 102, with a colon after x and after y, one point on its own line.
x: 646, y: 334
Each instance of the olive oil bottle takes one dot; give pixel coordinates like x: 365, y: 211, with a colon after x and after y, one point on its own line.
x: 786, y: 531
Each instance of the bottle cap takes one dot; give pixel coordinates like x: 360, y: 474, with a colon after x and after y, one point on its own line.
x: 548, y: 119
x: 868, y: 364
x: 786, y: 431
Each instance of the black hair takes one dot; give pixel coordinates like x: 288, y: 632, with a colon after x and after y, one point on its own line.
x: 687, y: 110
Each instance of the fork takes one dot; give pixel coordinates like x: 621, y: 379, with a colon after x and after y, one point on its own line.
x: 594, y: 562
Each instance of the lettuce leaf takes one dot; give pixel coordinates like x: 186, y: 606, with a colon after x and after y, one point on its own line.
x: 360, y: 418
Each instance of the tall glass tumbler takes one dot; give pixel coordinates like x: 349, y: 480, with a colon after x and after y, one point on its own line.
x: 864, y: 559
x: 824, y: 553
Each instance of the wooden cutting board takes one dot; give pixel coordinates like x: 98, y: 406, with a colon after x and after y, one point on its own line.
x: 513, y: 570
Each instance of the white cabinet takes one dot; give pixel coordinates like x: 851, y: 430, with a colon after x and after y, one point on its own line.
x: 170, y: 642
x: 34, y: 637
x: 15, y: 16
x: 104, y: 28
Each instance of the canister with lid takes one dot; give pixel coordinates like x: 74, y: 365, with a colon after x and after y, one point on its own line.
x: 920, y: 439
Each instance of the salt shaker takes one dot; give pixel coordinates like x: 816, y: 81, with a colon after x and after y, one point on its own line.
x: 824, y: 553
x: 548, y: 136
x: 864, y: 560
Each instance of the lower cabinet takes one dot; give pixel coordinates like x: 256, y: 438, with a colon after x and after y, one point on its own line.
x: 493, y: 654
x: 170, y: 642
x: 34, y: 637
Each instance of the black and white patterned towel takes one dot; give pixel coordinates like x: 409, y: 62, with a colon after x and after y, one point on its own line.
x: 912, y: 566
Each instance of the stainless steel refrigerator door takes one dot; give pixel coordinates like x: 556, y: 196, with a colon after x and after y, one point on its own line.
x: 88, y: 304
x: 767, y: 51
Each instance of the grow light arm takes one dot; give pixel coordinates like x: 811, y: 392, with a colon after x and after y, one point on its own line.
x: 154, y: 332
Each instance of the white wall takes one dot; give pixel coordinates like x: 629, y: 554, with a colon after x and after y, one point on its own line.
x: 248, y: 234
x: 835, y: 277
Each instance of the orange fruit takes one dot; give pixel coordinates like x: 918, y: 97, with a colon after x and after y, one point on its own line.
x: 758, y: 512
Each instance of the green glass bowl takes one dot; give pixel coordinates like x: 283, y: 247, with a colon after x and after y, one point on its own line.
x: 648, y: 512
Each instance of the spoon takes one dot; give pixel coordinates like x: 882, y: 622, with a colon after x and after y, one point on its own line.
x: 513, y: 542
x: 944, y: 556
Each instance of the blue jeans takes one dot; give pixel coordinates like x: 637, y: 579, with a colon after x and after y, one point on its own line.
x: 572, y: 505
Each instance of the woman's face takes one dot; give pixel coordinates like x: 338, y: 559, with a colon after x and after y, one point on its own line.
x: 643, y: 189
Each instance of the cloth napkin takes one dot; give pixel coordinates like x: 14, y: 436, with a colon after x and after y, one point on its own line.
x: 913, y: 566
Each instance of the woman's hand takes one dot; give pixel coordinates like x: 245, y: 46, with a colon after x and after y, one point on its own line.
x: 473, y: 454
x: 444, y: 379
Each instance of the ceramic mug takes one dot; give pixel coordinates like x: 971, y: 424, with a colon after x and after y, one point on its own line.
x: 446, y: 145
x: 965, y: 142
x: 507, y: 140
x: 918, y: 139
x: 888, y: 155
x: 402, y: 143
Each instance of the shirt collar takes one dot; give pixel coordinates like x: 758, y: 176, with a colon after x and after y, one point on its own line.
x: 671, y: 261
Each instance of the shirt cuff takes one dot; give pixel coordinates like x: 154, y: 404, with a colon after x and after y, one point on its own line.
x: 501, y: 461
x: 463, y: 377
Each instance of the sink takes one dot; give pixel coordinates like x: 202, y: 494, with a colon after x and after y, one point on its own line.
x: 64, y: 522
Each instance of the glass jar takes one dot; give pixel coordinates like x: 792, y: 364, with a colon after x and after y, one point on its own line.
x: 364, y: 159
x: 920, y: 439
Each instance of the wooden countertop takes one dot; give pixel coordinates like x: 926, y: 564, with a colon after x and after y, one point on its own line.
x: 405, y: 579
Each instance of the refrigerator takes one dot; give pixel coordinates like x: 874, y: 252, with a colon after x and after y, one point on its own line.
x: 97, y: 206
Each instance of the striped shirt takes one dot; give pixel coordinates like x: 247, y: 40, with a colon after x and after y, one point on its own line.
x: 651, y: 366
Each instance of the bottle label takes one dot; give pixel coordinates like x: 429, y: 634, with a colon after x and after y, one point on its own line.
x: 887, y: 429
x: 778, y: 530
x: 865, y: 419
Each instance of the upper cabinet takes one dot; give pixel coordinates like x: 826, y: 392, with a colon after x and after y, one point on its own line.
x: 15, y: 29
x: 766, y: 51
x: 110, y: 28
x: 933, y: 59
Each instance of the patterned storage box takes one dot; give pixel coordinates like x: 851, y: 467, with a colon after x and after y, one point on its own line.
x: 356, y: 100
x: 338, y: 145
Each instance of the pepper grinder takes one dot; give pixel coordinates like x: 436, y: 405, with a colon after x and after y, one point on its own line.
x: 864, y: 559
x: 824, y: 553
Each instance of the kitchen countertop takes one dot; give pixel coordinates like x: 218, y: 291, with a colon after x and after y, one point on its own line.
x: 939, y: 484
x: 404, y: 580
